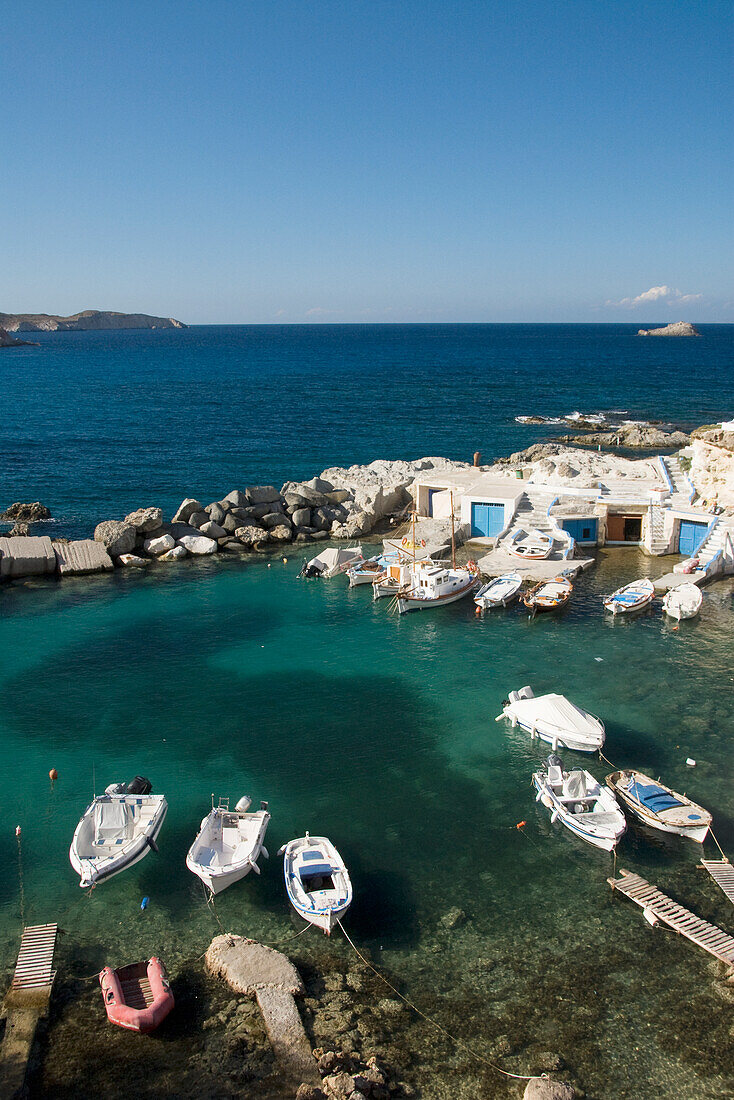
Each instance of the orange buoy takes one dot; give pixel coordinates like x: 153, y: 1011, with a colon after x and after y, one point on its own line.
x: 478, y: 611
x: 53, y: 774
x: 520, y: 824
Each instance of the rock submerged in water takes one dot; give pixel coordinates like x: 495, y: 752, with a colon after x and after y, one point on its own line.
x: 26, y: 513
x: 677, y: 328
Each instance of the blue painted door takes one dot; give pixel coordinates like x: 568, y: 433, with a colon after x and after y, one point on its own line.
x: 487, y: 519
x: 431, y: 495
x: 691, y: 536
x: 582, y: 530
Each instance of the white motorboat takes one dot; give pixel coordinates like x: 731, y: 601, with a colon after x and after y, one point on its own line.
x: 228, y: 844
x: 683, y: 602
x: 116, y: 830
x: 631, y: 597
x: 659, y: 806
x: 317, y: 881
x: 434, y: 586
x: 499, y: 592
x: 581, y: 803
x: 555, y: 719
x: 533, y: 545
x: 332, y: 561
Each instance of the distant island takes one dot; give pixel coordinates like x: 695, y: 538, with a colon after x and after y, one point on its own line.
x: 88, y: 319
x: 678, y: 328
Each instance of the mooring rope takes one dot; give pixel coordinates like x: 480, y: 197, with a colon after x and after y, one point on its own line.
x: 435, y: 1023
x: 20, y: 877
x: 713, y: 837
x: 266, y: 943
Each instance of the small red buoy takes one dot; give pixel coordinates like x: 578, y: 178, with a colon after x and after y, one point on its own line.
x: 478, y: 611
x: 53, y: 774
x: 17, y: 830
x: 520, y: 824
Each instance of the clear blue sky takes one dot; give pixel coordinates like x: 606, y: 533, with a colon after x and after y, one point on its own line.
x: 303, y: 160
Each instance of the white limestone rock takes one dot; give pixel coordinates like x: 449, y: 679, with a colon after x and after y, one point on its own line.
x: 159, y: 545
x: 677, y: 328
x: 212, y: 530
x: 250, y: 535
x: 133, y: 559
x: 117, y: 537
x: 280, y: 533
x: 174, y: 554
x: 198, y: 544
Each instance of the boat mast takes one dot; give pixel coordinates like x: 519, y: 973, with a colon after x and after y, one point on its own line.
x: 453, y: 540
x: 413, y: 514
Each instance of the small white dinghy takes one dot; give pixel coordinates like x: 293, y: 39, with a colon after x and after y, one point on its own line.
x: 631, y: 597
x: 581, y: 803
x: 116, y: 830
x: 499, y: 592
x: 228, y: 844
x: 683, y: 602
x: 659, y: 806
x: 534, y: 545
x: 555, y: 719
x: 332, y: 561
x: 317, y: 881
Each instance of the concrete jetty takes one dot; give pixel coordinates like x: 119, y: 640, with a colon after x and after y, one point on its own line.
x: 26, y: 1002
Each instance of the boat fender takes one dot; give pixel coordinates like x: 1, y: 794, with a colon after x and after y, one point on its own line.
x: 554, y: 817
x: 650, y: 917
x: 151, y: 843
x: 534, y: 733
x: 253, y: 864
x: 264, y: 851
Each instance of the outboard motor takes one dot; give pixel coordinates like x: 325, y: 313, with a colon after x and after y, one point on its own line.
x: 139, y: 785
x: 554, y: 761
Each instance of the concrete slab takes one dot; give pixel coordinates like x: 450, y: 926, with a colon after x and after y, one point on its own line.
x: 673, y: 580
x: 26, y: 556
x: 83, y: 556
x: 500, y: 561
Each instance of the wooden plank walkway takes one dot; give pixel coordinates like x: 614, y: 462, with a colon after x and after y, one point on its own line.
x: 722, y: 873
x: 705, y: 935
x: 33, y: 969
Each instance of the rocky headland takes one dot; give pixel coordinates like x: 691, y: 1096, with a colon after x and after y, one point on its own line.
x: 633, y: 436
x: 87, y: 319
x: 677, y: 328
x: 8, y: 341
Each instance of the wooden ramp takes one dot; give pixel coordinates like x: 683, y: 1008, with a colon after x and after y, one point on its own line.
x: 681, y: 920
x: 722, y: 873
x: 33, y: 970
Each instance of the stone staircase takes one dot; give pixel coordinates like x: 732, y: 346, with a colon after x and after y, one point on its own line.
x: 678, y: 478
x: 531, y: 514
x: 721, y: 538
x: 659, y: 543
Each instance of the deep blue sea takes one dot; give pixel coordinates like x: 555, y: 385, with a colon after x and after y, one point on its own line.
x: 232, y: 676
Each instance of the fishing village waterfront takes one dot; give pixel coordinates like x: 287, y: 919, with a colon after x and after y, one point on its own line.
x: 497, y: 960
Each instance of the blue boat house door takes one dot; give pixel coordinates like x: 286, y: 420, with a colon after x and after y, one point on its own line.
x: 487, y: 520
x: 691, y: 536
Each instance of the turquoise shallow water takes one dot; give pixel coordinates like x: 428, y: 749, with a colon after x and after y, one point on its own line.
x: 231, y: 676
x: 379, y: 731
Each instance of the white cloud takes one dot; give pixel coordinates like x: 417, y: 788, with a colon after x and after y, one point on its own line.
x: 666, y: 294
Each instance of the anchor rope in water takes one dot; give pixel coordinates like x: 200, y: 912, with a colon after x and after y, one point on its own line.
x: 20, y: 877
x: 265, y: 943
x: 435, y: 1023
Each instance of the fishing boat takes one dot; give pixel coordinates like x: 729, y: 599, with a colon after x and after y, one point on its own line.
x: 317, y: 881
x: 658, y: 806
x: 549, y: 595
x: 499, y: 592
x: 631, y: 597
x: 137, y: 997
x: 366, y: 572
x: 554, y: 719
x: 228, y: 844
x: 683, y: 602
x: 116, y: 830
x: 434, y: 586
x: 586, y: 807
x: 332, y: 561
x: 533, y: 545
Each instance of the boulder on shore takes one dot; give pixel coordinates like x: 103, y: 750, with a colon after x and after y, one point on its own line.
x: 198, y: 544
x: 187, y: 509
x: 145, y: 520
x: 176, y: 553
x: 133, y: 560
x: 116, y: 536
x: 26, y: 513
x: 249, y: 535
x: 677, y: 328
x: 159, y: 545
x: 260, y: 494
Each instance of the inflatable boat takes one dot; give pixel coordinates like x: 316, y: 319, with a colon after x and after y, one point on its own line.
x: 137, y: 997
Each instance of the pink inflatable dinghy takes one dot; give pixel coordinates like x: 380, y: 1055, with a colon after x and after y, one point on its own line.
x: 137, y: 997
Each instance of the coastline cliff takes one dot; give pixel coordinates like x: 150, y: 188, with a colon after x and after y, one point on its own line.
x: 87, y: 319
